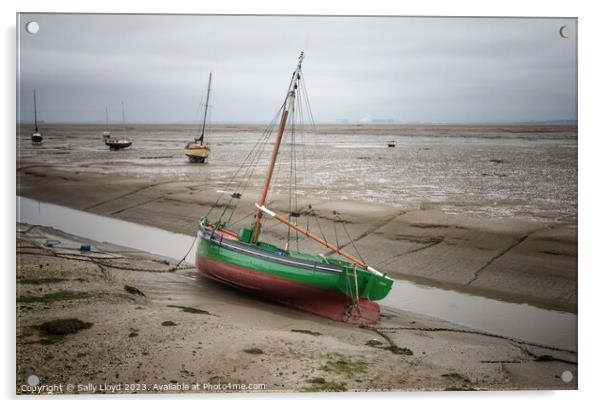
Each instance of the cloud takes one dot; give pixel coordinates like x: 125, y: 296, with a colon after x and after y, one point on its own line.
x: 408, y: 69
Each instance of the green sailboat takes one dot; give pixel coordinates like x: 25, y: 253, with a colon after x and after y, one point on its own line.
x: 339, y: 289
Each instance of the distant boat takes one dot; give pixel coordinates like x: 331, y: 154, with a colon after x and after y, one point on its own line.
x: 106, y: 134
x: 197, y: 151
x: 116, y: 143
x: 391, y: 143
x: 36, y: 136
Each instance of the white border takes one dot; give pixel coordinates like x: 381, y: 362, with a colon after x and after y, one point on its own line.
x: 589, y: 173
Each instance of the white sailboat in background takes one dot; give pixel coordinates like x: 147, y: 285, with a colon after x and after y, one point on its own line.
x: 116, y: 143
x: 36, y: 136
x: 197, y: 151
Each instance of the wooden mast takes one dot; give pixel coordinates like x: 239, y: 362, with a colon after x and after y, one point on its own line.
x: 206, y: 108
x: 290, y: 99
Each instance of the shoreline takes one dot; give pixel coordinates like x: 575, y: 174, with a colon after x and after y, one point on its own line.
x: 507, y: 259
x: 146, y: 325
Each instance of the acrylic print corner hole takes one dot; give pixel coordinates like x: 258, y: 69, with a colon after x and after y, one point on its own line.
x: 299, y: 205
x: 32, y: 27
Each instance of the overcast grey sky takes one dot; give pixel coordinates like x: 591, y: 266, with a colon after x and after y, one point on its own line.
x: 406, y: 69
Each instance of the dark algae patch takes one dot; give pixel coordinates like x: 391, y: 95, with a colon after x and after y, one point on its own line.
x: 52, y: 297
x: 55, y: 330
x: 461, y: 382
x: 253, y: 350
x: 456, y: 377
x: 64, y: 326
x: 546, y: 357
x: 133, y: 290
x: 40, y: 281
x: 319, y: 384
x: 311, y: 333
x: 404, y: 351
x: 190, y: 309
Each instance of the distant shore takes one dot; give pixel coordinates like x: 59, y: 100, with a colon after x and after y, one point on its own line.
x: 551, y: 127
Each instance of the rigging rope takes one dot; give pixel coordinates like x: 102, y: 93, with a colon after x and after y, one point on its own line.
x: 241, y: 179
x: 262, y: 139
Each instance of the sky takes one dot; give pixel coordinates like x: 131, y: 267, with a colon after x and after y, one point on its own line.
x: 357, y: 69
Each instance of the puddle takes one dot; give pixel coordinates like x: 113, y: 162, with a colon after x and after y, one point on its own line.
x: 522, y: 321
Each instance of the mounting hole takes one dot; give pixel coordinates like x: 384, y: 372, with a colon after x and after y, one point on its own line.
x: 32, y: 27
x: 33, y: 380
x: 566, y: 376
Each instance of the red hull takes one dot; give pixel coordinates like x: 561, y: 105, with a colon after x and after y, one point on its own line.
x: 326, y: 303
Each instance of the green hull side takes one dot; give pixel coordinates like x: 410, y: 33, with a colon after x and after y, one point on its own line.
x: 369, y: 285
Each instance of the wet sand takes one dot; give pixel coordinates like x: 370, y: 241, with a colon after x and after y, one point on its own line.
x: 178, y: 330
x: 506, y: 258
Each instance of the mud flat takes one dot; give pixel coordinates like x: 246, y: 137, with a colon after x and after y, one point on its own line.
x: 95, y: 321
x: 505, y: 258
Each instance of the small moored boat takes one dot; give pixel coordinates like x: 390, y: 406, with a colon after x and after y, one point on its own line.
x: 116, y: 144
x: 36, y: 136
x: 119, y: 143
x: 197, y: 151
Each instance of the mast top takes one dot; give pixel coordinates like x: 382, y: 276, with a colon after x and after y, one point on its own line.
x: 288, y: 104
x: 202, y: 137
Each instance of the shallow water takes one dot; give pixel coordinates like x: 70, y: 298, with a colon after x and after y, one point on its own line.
x: 487, y: 171
x: 520, y: 321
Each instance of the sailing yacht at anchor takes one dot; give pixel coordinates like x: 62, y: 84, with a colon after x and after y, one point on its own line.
x: 36, y: 136
x: 197, y: 151
x: 117, y: 143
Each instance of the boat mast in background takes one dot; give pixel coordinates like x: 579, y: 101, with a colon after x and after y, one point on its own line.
x: 288, y: 105
x: 123, y: 120
x: 36, y: 136
x: 106, y: 134
x: 35, y: 112
x: 197, y: 151
x: 206, y: 109
x: 116, y: 143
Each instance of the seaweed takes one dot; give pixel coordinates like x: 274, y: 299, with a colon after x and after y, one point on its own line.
x: 39, y: 281
x: 188, y: 309
x: 345, y: 366
x: 319, y: 384
x: 253, y: 350
x: 56, y: 330
x: 311, y: 333
x: 53, y: 297
x: 133, y: 290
